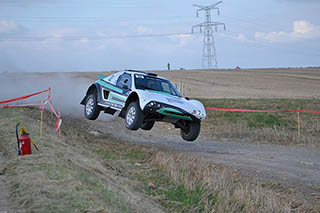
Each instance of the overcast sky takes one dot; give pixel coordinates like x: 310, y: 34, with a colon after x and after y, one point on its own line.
x: 100, y: 35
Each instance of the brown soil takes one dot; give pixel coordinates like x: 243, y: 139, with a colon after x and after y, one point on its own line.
x: 263, y: 83
x: 247, y: 83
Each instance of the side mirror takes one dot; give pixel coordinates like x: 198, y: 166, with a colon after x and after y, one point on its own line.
x: 187, y: 98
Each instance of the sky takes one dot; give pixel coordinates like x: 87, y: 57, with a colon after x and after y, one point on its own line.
x: 100, y: 35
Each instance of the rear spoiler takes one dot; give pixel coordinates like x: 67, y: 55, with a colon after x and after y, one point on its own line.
x: 102, y: 77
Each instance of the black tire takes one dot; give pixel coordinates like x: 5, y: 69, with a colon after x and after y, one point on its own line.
x: 192, y: 131
x: 134, y: 116
x: 147, y: 125
x: 91, y: 107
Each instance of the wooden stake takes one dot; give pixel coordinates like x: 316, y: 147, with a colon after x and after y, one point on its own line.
x: 51, y: 110
x: 41, y: 116
x: 299, y: 126
x: 51, y: 103
x: 59, y: 116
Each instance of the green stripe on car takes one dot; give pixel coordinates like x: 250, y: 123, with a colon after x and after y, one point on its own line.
x: 117, y: 99
x: 102, y: 77
x: 166, y: 111
x: 105, y: 84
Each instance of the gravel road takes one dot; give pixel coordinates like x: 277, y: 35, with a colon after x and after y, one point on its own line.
x: 296, y: 167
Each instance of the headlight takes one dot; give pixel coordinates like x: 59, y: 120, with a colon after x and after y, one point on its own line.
x: 196, y: 112
x: 154, y: 104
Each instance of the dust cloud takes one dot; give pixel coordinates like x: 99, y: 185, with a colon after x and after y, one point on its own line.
x: 68, y: 89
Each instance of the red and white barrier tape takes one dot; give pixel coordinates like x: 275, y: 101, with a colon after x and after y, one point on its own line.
x: 46, y: 101
x: 248, y: 110
x: 23, y: 97
x: 58, y: 124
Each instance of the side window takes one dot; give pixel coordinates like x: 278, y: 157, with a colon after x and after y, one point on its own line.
x: 110, y: 78
x: 124, y: 79
x: 166, y: 87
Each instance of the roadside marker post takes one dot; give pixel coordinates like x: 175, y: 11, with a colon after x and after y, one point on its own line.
x: 41, y: 116
x: 42, y: 104
x: 51, y: 102
x: 299, y: 126
x: 59, y: 117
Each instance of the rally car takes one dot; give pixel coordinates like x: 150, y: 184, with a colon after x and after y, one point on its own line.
x: 142, y: 99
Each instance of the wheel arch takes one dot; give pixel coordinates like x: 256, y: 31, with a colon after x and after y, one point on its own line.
x: 132, y: 97
x: 93, y: 89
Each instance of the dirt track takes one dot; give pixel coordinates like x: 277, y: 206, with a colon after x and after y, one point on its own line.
x: 297, y: 167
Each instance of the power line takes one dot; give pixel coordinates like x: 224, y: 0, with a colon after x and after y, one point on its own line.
x: 88, y: 19
x: 261, y: 24
x: 75, y: 38
x: 25, y: 4
x: 209, y: 49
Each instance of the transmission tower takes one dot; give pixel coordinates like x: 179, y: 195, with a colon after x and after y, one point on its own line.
x: 209, y: 57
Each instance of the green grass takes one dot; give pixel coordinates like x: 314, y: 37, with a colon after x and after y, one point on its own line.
x: 102, y: 193
x: 174, y: 197
x: 279, y: 127
x: 137, y: 156
x: 254, y: 120
x: 108, y: 154
x: 180, y: 194
x: 53, y: 178
x: 54, y: 171
x: 131, y: 155
x: 259, y: 120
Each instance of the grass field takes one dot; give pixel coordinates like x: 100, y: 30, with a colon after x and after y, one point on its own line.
x: 276, y: 128
x: 79, y: 172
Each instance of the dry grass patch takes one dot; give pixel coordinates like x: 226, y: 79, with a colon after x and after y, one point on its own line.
x: 65, y: 176
x: 274, y: 128
x: 222, y: 189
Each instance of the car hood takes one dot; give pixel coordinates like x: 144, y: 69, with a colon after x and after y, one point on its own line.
x: 186, y: 105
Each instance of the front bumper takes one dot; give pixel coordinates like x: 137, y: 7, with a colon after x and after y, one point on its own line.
x: 161, y: 110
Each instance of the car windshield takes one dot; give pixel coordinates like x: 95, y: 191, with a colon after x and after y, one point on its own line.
x: 156, y: 84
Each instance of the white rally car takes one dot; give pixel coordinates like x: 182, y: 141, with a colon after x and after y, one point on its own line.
x: 141, y: 99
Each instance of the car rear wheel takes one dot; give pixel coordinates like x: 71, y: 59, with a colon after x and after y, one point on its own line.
x: 147, y: 125
x: 134, y: 116
x: 191, y: 131
x: 91, y: 108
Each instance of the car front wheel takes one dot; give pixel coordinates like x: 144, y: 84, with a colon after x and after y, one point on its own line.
x: 91, y: 108
x: 134, y: 116
x: 147, y: 125
x: 191, y: 131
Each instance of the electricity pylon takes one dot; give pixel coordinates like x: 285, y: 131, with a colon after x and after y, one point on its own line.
x: 209, y: 49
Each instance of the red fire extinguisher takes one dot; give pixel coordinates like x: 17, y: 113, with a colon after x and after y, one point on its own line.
x: 24, y: 141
